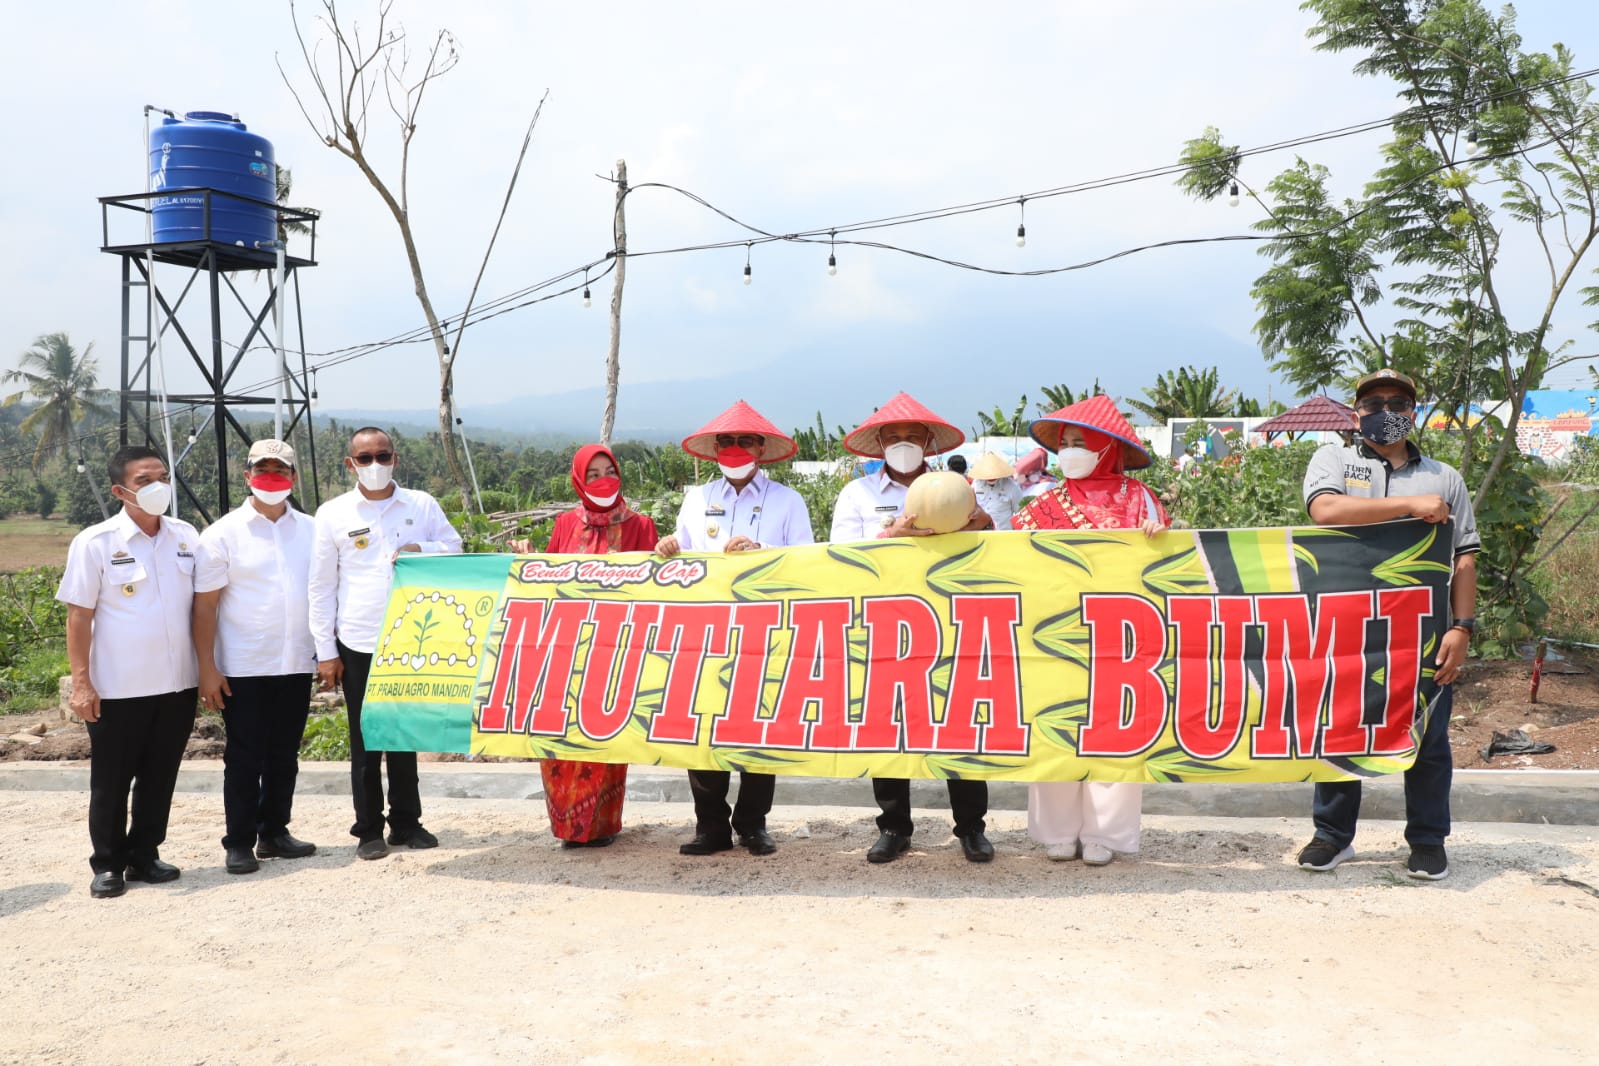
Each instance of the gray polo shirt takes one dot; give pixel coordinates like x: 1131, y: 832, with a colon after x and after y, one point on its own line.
x: 1357, y: 470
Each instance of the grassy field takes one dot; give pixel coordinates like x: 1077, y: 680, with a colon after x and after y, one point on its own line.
x: 1569, y: 577
x: 33, y: 541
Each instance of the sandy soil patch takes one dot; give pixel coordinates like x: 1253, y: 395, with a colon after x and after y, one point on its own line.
x: 500, y: 946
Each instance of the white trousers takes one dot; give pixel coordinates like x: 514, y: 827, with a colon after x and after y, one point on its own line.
x: 1091, y: 812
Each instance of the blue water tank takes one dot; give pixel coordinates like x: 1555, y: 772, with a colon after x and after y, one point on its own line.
x: 208, y: 150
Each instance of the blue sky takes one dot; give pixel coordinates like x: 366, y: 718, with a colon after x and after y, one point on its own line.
x: 791, y: 120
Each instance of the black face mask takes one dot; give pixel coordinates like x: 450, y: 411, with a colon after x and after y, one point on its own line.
x: 1385, y: 427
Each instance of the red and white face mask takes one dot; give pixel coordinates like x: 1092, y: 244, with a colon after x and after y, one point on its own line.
x: 735, y: 463
x: 602, y: 493
x: 271, y: 489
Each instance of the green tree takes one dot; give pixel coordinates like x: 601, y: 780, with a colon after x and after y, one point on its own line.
x: 999, y: 423
x: 64, y: 383
x: 1492, y: 166
x: 1186, y: 392
x: 1058, y: 396
x: 1494, y: 157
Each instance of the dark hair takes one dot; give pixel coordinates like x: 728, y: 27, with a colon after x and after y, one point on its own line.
x: 368, y: 429
x: 957, y: 463
x: 118, y: 464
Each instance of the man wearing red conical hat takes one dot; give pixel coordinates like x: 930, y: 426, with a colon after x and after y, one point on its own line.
x: 1095, y: 447
x: 903, y: 433
x: 743, y: 510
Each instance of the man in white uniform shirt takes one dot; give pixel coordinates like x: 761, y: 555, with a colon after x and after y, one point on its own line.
x: 128, y: 586
x: 903, y: 433
x: 358, y: 537
x: 743, y: 510
x: 252, y: 632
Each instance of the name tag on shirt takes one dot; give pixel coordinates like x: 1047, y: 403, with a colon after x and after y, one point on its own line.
x: 714, y: 512
x: 363, y: 531
x: 185, y: 555
x: 887, y: 507
x: 124, y: 561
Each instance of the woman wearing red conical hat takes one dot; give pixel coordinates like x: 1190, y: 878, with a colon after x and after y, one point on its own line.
x: 1095, y: 447
x: 743, y: 510
x: 584, y: 799
x: 903, y: 433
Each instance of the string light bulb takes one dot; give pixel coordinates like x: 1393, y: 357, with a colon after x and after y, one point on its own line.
x: 1232, y: 195
x: 832, y: 259
x: 588, y: 301
x: 1021, y: 227
x: 313, y: 388
x: 747, y: 275
x: 82, y: 468
x: 1472, y: 140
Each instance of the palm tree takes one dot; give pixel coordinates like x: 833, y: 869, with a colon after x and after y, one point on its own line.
x: 286, y: 226
x: 1058, y: 396
x: 64, y: 381
x: 1000, y: 424
x: 1187, y: 392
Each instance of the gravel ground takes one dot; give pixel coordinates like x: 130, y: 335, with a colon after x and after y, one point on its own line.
x: 499, y: 946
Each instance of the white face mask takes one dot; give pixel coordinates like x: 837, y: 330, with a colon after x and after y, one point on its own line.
x: 154, y: 498
x: 374, y: 478
x: 736, y: 473
x: 271, y: 499
x: 903, y: 457
x: 1077, y: 462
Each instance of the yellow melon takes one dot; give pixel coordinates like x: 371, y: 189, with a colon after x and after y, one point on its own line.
x: 941, y: 500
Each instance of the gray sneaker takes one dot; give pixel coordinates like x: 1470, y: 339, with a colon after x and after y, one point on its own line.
x: 1322, y: 855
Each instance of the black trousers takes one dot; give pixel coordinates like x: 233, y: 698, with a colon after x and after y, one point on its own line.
x: 712, y: 815
x: 137, y: 743
x: 968, y: 802
x: 265, y: 717
x: 366, y: 767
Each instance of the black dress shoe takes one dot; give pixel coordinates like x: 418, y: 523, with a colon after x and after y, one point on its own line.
x: 889, y: 847
x: 107, y: 885
x: 413, y: 838
x: 977, y: 847
x: 759, y: 842
x: 152, y: 870
x: 240, y: 861
x: 372, y: 849
x: 597, y: 842
x: 283, y: 846
x: 705, y: 844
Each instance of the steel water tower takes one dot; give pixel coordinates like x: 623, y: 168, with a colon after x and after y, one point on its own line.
x: 209, y: 217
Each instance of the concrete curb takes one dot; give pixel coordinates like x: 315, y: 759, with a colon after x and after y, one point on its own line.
x: 1546, y: 797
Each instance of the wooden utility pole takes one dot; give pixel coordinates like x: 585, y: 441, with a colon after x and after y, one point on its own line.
x: 613, y: 359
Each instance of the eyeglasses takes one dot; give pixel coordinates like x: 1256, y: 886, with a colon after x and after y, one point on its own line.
x: 747, y: 440
x: 1397, y: 404
x: 368, y: 458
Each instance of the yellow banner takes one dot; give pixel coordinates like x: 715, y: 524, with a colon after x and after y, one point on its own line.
x: 1247, y: 655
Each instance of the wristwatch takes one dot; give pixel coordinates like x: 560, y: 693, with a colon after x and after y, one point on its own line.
x: 1468, y: 624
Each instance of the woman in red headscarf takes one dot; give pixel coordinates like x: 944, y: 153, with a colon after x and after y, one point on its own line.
x: 584, y: 799
x: 1095, y: 447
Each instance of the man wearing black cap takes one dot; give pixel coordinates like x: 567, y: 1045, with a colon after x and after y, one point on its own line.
x: 1379, y: 478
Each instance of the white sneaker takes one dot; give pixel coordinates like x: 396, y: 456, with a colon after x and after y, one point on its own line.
x: 1097, y: 855
x: 1061, y: 852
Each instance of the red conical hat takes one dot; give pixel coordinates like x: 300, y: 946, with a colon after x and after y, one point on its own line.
x: 1097, y: 413
x: 862, y: 440
x: 740, y: 418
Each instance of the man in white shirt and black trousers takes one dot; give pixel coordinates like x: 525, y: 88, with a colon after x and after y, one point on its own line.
x: 743, y: 510
x: 128, y: 586
x: 358, y: 537
x: 252, y: 633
